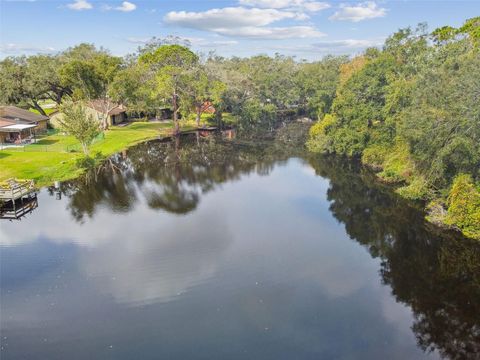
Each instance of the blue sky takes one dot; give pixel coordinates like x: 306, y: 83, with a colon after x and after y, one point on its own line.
x: 306, y: 28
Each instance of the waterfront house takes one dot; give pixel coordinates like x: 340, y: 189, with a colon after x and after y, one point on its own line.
x: 19, y: 126
x: 117, y: 113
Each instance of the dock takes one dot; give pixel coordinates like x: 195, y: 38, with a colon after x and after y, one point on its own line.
x: 17, y: 198
x: 11, y: 189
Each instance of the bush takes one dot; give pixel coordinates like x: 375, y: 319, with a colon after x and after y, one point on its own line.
x: 318, y: 140
x: 417, y: 189
x: 464, y: 206
x: 375, y: 156
x: 398, y: 165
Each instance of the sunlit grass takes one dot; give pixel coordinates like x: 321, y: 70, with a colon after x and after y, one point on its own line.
x: 54, y: 157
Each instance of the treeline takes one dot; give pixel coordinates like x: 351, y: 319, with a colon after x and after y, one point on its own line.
x: 165, y: 74
x: 412, y: 111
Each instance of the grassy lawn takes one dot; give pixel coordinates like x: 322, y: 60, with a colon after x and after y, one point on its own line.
x: 54, y: 157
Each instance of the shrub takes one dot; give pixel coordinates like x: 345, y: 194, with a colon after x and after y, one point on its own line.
x: 464, y: 206
x: 398, y: 165
x: 375, y: 156
x: 417, y: 189
x: 318, y: 140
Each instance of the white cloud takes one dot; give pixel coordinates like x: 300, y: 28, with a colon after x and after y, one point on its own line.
x: 126, y: 7
x: 12, y: 48
x: 242, y: 22
x: 346, y: 46
x: 306, y: 5
x: 227, y: 18
x: 348, y: 43
x: 273, y: 33
x: 80, y: 5
x: 359, y: 12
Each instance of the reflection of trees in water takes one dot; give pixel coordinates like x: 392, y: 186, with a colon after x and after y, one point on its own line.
x: 170, y: 175
x: 436, y: 274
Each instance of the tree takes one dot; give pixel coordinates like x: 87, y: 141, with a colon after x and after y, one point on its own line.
x: 132, y: 86
x: 171, y: 66
x: 26, y: 81
x: 203, y: 86
x: 89, y: 73
x: 76, y: 122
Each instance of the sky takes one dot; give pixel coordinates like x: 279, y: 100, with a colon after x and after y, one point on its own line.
x: 307, y: 29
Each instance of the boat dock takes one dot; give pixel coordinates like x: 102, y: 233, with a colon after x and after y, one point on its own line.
x: 12, y: 190
x: 17, y: 198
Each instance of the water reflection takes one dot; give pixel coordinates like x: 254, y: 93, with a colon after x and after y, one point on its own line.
x: 437, y: 274
x: 170, y: 175
x: 211, y: 248
x: 16, y: 210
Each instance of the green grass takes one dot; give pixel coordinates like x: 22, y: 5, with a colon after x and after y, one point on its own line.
x: 55, y: 156
x: 48, y: 111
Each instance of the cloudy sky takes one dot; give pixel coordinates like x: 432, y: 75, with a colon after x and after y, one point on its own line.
x: 306, y: 28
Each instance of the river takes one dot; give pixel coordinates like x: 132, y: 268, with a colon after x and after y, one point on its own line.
x: 217, y: 248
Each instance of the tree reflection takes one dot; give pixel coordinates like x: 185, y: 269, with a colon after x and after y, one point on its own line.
x: 436, y: 273
x: 168, y: 175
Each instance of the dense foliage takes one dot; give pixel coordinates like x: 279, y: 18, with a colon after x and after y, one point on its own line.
x: 412, y: 112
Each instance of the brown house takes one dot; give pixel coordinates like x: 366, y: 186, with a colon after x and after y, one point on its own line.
x: 117, y: 113
x: 19, y: 125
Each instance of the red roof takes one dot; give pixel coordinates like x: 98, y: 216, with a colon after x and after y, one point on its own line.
x: 208, y: 107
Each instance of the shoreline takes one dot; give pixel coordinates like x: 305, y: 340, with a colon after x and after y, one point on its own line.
x: 65, y: 166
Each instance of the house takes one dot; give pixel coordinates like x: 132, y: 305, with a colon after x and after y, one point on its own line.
x: 19, y: 125
x: 117, y: 113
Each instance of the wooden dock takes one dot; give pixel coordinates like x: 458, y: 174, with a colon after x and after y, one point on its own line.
x: 15, y: 210
x: 17, y: 198
x: 12, y: 190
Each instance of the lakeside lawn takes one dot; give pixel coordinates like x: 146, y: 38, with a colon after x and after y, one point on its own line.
x: 55, y: 156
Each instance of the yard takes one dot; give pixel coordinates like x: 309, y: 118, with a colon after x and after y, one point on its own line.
x: 55, y: 157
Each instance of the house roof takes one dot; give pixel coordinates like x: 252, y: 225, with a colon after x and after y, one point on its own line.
x: 101, y: 105
x: 5, y: 123
x: 11, y: 115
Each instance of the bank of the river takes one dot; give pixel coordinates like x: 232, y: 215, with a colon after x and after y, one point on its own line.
x: 50, y: 159
x: 463, y: 216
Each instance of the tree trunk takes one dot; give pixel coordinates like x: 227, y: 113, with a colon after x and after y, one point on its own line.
x: 105, y: 122
x: 176, y: 130
x: 39, y: 108
x: 198, y: 110
x: 85, y: 149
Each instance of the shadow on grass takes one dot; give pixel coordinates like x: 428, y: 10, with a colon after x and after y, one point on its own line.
x: 148, y: 126
x: 3, y: 154
x: 45, y: 142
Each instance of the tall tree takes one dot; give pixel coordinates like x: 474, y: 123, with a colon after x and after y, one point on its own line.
x: 90, y: 73
x: 26, y: 81
x: 172, y: 69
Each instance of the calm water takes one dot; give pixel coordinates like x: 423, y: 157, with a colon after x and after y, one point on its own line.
x: 219, y: 249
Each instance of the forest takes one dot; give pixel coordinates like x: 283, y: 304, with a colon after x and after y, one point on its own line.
x: 410, y: 110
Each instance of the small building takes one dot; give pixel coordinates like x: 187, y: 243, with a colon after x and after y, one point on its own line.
x: 208, y: 108
x: 117, y: 113
x: 19, y: 125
